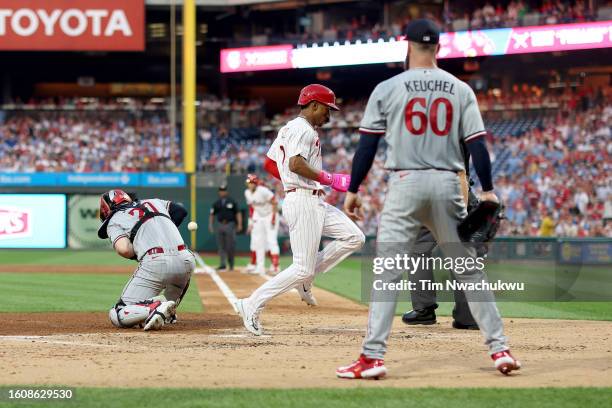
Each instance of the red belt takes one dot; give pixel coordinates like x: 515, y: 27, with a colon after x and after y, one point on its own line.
x: 314, y: 192
x: 160, y: 250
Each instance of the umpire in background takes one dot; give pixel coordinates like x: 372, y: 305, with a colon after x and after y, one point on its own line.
x: 424, y: 301
x: 229, y: 218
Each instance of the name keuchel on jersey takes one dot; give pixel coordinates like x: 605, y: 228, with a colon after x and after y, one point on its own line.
x: 431, y: 85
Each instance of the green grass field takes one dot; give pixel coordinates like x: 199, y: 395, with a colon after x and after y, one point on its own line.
x: 92, y: 292
x: 328, y: 398
x: 58, y: 292
x: 60, y: 257
x: 42, y: 292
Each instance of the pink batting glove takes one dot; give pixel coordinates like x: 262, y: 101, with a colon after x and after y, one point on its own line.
x: 341, y: 182
x: 337, y: 181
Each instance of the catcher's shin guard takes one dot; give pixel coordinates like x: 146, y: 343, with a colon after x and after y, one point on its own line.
x: 128, y: 316
x: 125, y: 316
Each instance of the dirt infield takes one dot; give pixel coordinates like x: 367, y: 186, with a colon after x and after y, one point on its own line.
x: 301, y: 349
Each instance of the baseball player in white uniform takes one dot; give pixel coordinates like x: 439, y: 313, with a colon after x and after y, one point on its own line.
x: 147, y: 232
x: 273, y: 250
x: 423, y: 113
x: 263, y: 223
x: 295, y: 158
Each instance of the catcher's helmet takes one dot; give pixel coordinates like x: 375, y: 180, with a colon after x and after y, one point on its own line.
x: 252, y: 178
x: 110, y: 200
x: 319, y: 93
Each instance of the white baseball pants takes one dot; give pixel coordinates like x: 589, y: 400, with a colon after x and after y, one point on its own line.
x: 309, y: 217
x: 264, y: 237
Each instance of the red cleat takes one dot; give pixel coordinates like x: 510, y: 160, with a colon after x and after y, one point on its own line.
x: 363, y: 368
x: 505, y: 362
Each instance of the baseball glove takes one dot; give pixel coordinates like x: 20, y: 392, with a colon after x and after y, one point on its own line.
x: 481, y: 225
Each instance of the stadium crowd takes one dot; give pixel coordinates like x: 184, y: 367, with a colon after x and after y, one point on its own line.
x: 107, y: 135
x: 557, y: 180
x: 84, y: 142
x: 334, y: 25
x: 519, y: 13
x: 554, y: 176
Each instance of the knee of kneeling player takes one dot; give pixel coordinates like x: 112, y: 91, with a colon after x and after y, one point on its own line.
x: 128, y: 316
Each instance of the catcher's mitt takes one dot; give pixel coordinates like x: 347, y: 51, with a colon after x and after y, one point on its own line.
x: 481, y: 225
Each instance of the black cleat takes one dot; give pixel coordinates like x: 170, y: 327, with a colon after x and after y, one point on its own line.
x: 420, y: 316
x: 461, y: 326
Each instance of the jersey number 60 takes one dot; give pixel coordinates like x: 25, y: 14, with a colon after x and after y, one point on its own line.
x: 421, y: 117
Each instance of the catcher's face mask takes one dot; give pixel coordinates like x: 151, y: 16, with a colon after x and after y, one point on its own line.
x: 110, y: 200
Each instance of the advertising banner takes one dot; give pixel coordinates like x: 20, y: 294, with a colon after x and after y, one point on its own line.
x: 256, y: 58
x: 163, y: 180
x: 32, y: 221
x: 84, y: 221
x: 585, y: 252
x: 98, y: 179
x: 461, y: 44
x: 67, y: 25
x: 93, y: 179
x: 28, y: 179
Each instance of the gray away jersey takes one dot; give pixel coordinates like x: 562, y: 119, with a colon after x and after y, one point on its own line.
x: 156, y: 232
x: 423, y: 114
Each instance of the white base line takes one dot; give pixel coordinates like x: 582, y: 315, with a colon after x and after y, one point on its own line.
x: 49, y: 340
x: 227, y: 292
x: 240, y: 336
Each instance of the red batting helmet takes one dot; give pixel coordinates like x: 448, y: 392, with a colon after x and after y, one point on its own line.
x: 110, y: 200
x: 319, y: 93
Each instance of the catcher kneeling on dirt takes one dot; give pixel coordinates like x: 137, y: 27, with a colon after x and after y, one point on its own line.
x: 146, y: 231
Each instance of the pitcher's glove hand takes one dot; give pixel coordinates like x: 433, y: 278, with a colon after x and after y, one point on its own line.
x: 481, y: 225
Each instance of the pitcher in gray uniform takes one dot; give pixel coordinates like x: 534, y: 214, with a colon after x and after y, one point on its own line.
x: 147, y: 231
x: 423, y: 113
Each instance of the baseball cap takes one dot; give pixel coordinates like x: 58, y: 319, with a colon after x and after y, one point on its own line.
x: 423, y: 31
x: 223, y: 187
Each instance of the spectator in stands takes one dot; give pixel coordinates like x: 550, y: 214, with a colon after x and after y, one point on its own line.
x: 567, y: 227
x: 581, y: 200
x: 547, y: 225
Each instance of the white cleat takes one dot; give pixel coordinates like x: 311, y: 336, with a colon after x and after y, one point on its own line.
x: 155, y: 322
x: 250, y: 320
x: 158, y: 316
x: 505, y: 362
x: 249, y: 268
x: 258, y: 271
x: 305, y: 291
